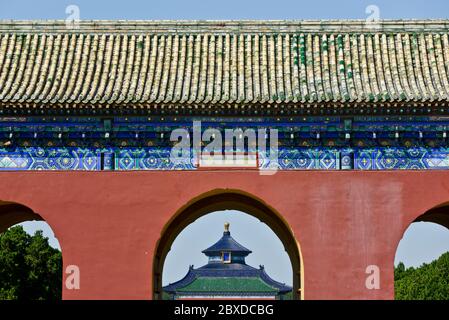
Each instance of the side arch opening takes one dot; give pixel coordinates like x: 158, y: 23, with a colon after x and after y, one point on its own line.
x: 220, y: 200
x: 12, y: 213
x: 30, y: 258
x: 438, y: 215
x: 422, y: 257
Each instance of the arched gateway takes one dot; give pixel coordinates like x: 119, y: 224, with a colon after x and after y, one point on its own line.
x: 227, y: 276
x: 334, y: 133
x: 217, y: 200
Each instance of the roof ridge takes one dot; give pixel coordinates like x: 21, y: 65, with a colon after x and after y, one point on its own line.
x: 227, y: 243
x: 210, y: 26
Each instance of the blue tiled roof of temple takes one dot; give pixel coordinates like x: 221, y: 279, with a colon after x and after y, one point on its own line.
x: 226, y: 243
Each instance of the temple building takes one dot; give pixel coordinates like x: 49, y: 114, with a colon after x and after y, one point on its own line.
x: 226, y: 276
x: 119, y: 118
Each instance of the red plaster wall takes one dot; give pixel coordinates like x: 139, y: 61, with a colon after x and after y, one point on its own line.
x: 108, y: 223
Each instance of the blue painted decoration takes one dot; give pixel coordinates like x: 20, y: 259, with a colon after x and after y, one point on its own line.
x: 157, y: 158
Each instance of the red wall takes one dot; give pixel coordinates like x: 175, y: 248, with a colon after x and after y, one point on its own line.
x: 108, y: 223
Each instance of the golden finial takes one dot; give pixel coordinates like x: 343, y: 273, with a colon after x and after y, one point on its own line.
x: 226, y: 226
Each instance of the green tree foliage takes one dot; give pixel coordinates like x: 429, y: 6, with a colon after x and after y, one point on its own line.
x: 428, y: 282
x: 30, y: 268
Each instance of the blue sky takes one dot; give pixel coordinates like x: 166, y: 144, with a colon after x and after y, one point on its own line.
x: 229, y: 9
x: 422, y: 242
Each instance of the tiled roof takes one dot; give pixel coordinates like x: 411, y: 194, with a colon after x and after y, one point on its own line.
x: 226, y: 243
x: 190, y: 63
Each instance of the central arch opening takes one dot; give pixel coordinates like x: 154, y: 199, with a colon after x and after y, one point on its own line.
x: 221, y: 200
